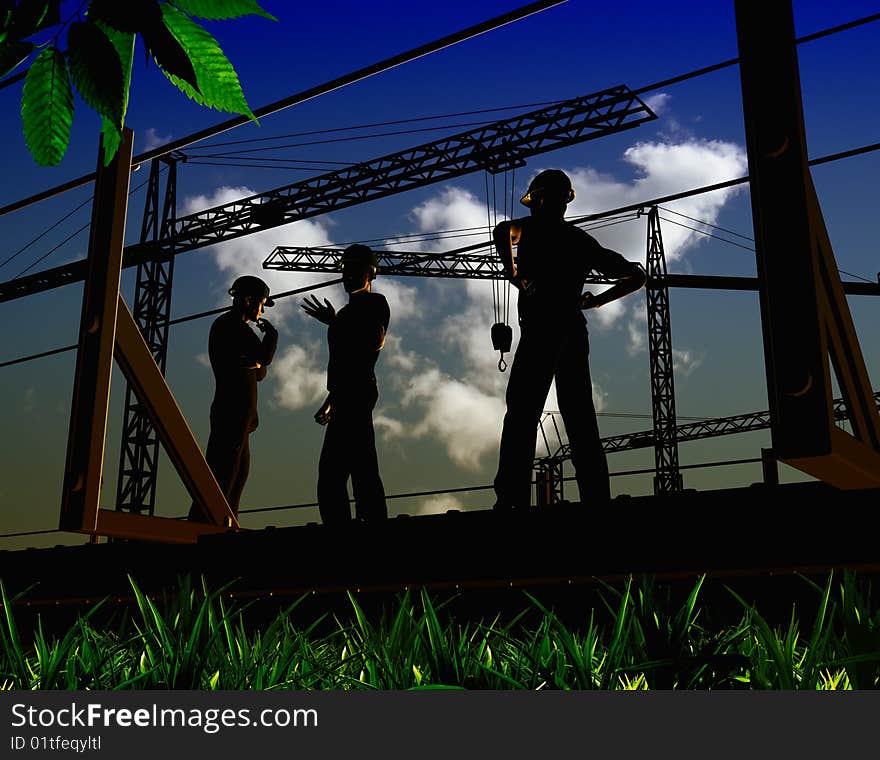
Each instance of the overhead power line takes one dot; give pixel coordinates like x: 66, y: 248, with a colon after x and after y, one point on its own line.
x: 300, y: 97
x: 66, y: 240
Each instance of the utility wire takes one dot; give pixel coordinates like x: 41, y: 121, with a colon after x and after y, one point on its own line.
x: 366, y: 72
x: 352, y: 138
x: 52, y: 250
x: 47, y: 231
x: 706, y: 224
x: 372, y: 125
x: 641, y: 90
x: 276, y: 167
x: 707, y: 234
x: 68, y: 238
x: 716, y: 237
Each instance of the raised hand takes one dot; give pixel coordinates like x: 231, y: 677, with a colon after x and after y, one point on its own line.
x: 314, y: 309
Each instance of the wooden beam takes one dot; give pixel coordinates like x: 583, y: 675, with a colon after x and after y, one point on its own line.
x: 804, y: 312
x: 150, y: 528
x: 94, y: 360
x: 148, y: 383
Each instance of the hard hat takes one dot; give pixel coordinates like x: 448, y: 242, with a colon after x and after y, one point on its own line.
x: 248, y: 285
x: 360, y: 254
x: 554, y: 180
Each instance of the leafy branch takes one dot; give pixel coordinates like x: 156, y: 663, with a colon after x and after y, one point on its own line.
x: 97, y: 61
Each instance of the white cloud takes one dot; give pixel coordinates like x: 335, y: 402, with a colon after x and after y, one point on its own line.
x: 608, y: 315
x: 203, y: 359
x: 391, y: 427
x: 153, y: 139
x: 403, y: 300
x: 453, y: 209
x: 395, y: 355
x: 463, y: 417
x: 657, y: 103
x: 637, y: 329
x: 245, y: 255
x: 437, y: 505
x: 662, y: 168
x: 684, y: 361
x: 300, y: 381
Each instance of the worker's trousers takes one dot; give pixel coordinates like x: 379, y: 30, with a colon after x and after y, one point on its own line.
x: 550, y: 349
x: 229, y: 457
x: 350, y: 451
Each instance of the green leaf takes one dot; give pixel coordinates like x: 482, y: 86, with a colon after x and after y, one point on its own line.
x: 218, y: 10
x: 6, y: 9
x: 47, y: 107
x: 12, y: 54
x: 96, y: 69
x: 218, y: 85
x: 124, y: 44
x: 27, y: 17
x: 171, y: 56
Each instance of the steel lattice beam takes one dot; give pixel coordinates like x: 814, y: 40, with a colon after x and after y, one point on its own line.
x: 693, y: 431
x: 668, y: 477
x: 498, y: 146
x: 463, y: 263
x: 139, y: 451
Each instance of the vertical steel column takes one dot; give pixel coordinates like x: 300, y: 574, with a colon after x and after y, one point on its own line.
x: 548, y: 482
x: 667, y: 478
x: 139, y: 455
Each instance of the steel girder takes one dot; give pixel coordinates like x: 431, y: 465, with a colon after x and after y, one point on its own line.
x: 139, y: 452
x: 496, y: 147
x: 463, y: 263
x: 668, y: 477
x: 692, y: 431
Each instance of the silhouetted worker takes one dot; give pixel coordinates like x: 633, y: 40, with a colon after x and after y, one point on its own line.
x: 239, y: 359
x: 355, y: 336
x: 552, y: 262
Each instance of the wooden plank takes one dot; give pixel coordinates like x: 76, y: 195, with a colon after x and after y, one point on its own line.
x: 111, y: 522
x: 149, y: 385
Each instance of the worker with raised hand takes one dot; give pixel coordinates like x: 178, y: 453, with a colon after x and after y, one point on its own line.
x: 239, y: 359
x: 355, y: 336
x: 552, y: 262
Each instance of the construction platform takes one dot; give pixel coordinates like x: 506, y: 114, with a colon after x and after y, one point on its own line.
x: 805, y: 528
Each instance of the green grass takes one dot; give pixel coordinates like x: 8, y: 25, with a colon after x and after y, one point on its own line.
x: 197, y: 638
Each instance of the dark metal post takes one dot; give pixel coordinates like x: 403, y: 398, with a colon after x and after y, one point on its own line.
x: 769, y: 467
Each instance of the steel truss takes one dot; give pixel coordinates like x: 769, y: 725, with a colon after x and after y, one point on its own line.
x: 497, y: 147
x: 139, y: 452
x: 693, y: 431
x: 463, y: 263
x: 668, y: 477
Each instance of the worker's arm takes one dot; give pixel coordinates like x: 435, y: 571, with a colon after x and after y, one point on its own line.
x: 629, y: 275
x: 322, y: 416
x: 225, y: 348
x: 506, y: 235
x: 267, y: 347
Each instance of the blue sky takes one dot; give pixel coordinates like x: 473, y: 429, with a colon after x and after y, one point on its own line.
x: 438, y: 419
